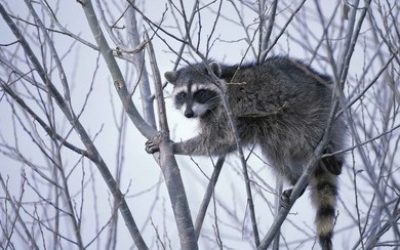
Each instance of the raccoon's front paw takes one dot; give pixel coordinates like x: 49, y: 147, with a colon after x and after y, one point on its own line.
x: 153, y: 144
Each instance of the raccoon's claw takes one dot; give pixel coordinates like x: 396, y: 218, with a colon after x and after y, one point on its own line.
x: 153, y: 144
x: 151, y: 147
x: 285, y: 198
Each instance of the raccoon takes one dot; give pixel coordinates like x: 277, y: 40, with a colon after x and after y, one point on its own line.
x: 282, y: 105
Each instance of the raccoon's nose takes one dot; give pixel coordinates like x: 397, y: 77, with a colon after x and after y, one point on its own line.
x: 189, y: 113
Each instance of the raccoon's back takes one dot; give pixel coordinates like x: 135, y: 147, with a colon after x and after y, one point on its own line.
x: 281, y: 104
x: 279, y: 88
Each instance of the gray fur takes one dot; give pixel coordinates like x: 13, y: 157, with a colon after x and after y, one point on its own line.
x: 216, y: 68
x: 281, y: 105
x: 171, y: 76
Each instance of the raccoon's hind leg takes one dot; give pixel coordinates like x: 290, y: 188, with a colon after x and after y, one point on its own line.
x: 323, y: 194
x: 285, y: 197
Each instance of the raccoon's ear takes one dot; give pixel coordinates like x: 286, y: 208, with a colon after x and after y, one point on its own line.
x: 216, y: 68
x: 171, y: 76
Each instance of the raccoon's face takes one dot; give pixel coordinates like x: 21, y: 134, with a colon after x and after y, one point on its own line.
x: 194, y: 94
x: 195, y: 100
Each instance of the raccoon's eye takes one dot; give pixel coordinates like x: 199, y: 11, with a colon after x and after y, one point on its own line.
x: 202, y: 96
x: 180, y: 97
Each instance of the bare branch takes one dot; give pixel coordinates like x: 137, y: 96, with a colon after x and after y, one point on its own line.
x: 170, y: 169
x: 91, y: 149
x: 207, y: 196
x: 116, y: 74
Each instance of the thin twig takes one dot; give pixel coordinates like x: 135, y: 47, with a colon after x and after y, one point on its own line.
x: 207, y: 196
x: 91, y: 149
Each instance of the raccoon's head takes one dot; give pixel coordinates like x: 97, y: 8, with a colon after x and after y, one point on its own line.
x: 194, y: 93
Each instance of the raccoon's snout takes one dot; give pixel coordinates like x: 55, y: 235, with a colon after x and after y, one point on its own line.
x: 189, y: 113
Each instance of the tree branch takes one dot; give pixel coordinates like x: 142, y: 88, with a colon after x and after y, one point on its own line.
x: 207, y: 196
x: 119, y: 82
x: 302, y: 183
x: 91, y: 149
x: 170, y: 168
